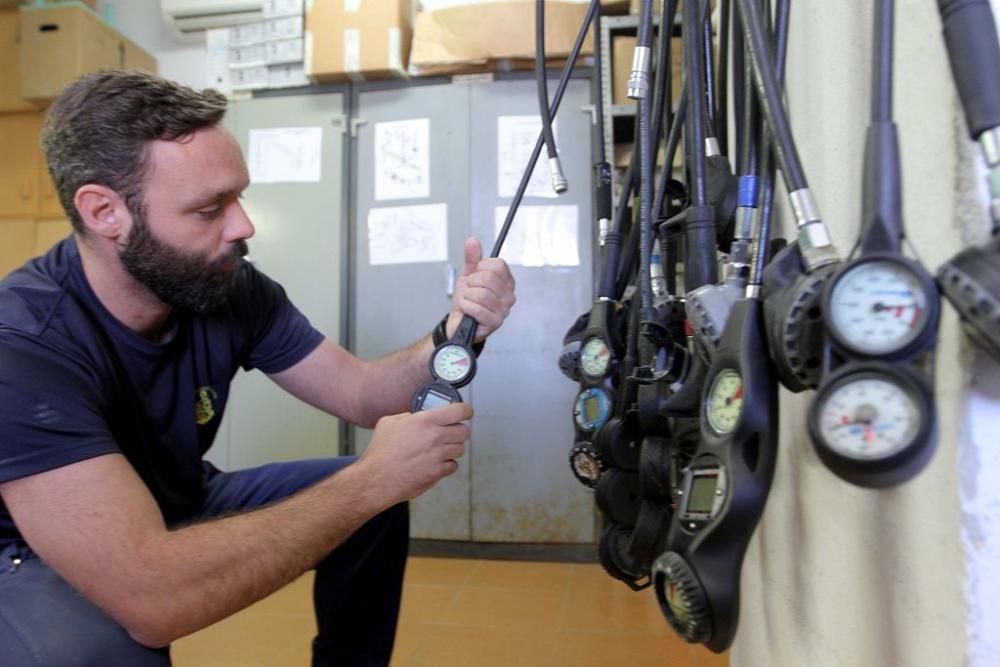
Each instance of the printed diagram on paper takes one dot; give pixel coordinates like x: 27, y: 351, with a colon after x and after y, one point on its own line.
x: 402, y: 159
x: 516, y: 137
x: 408, y: 234
x: 285, y: 155
x: 541, y: 235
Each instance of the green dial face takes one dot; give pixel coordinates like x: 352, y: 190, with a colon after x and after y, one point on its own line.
x: 595, y: 357
x: 725, y: 402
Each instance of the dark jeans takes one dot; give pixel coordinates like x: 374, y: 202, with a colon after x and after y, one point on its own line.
x: 46, y: 622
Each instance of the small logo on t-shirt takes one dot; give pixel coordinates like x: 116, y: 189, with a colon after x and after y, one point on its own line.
x: 204, y: 407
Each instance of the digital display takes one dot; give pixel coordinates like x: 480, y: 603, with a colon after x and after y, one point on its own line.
x: 591, y: 409
x: 435, y: 400
x: 701, y: 495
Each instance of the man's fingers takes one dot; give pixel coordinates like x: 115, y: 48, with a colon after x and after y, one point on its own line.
x: 473, y: 254
x: 448, y: 414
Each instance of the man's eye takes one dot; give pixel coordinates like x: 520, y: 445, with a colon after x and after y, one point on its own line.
x: 210, y: 213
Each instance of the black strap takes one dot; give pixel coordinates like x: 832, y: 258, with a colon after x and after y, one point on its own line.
x: 440, y: 336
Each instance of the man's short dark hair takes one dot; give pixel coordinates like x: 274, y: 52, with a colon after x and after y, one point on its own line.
x: 99, y: 128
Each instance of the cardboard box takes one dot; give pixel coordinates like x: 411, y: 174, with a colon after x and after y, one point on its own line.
x: 357, y: 40
x: 497, y: 30
x: 290, y: 75
x: 7, y: 4
x: 622, y: 48
x: 274, y: 9
x: 61, y: 44
x: 10, y: 77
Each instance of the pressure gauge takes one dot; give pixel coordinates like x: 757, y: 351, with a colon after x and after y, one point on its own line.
x: 586, y: 464
x: 724, y: 404
x: 595, y: 356
x: 682, y: 598
x: 880, y: 306
x: 592, y: 409
x: 873, y: 424
x: 452, y: 363
x: 868, y: 417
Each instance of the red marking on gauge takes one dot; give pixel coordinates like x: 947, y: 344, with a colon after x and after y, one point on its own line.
x: 738, y: 395
x: 462, y: 362
x: 916, y: 316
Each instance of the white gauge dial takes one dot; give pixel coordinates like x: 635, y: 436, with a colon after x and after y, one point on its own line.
x: 452, y: 363
x: 869, y: 418
x: 878, y: 307
x: 725, y: 401
x: 595, y: 357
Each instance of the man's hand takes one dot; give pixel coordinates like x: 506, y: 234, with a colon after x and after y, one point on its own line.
x: 484, y: 291
x: 409, y: 453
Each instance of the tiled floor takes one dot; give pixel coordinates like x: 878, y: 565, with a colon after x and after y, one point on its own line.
x: 475, y: 613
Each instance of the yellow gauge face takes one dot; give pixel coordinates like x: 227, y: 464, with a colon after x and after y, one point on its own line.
x: 725, y: 402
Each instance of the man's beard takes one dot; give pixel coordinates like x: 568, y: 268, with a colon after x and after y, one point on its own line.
x: 183, y: 280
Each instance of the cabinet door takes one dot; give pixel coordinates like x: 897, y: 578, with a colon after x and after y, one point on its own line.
x: 298, y: 242
x: 48, y: 199
x: 522, y: 487
x: 418, y: 138
x: 48, y: 232
x: 514, y: 484
x: 19, y: 170
x: 17, y: 243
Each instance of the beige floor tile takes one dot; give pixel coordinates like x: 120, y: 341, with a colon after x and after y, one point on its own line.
x: 520, y: 575
x: 637, y: 612
x: 493, y: 607
x: 409, y: 638
x: 258, y: 637
x: 612, y: 649
x: 425, y: 604
x: 453, y: 646
x: 438, y: 571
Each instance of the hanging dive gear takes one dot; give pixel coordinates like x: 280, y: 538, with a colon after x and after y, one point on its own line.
x: 971, y: 279
x: 874, y: 424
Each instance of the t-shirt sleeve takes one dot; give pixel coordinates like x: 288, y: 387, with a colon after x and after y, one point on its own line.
x: 282, y: 335
x: 51, y: 414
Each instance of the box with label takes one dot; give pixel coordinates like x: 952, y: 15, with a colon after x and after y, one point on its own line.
x: 357, y: 39
x: 248, y: 33
x: 62, y: 43
x: 281, y: 51
x: 283, y: 28
x: 274, y: 9
x: 287, y: 76
x: 249, y: 55
x: 248, y: 78
x: 493, y: 31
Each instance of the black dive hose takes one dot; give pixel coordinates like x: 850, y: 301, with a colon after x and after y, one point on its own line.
x: 556, y: 100
x: 555, y: 168
x: 722, y: 113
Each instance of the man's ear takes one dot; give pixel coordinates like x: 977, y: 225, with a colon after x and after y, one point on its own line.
x: 102, y: 210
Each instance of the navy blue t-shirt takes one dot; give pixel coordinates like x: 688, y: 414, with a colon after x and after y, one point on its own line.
x: 76, y: 383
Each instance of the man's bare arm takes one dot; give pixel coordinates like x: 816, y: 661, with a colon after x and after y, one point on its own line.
x: 97, y: 525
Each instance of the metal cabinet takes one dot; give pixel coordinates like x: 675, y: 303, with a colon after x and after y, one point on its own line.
x: 300, y: 242
x: 514, y: 485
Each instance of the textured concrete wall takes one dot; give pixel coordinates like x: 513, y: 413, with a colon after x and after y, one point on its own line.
x: 838, y: 575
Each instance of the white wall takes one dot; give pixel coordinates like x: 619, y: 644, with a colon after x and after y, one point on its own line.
x: 838, y: 575
x: 140, y: 21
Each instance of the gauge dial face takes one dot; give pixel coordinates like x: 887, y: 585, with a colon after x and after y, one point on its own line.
x: 595, y: 357
x: 869, y: 418
x: 586, y: 466
x: 452, y: 363
x: 725, y: 401
x: 591, y: 409
x: 878, y: 307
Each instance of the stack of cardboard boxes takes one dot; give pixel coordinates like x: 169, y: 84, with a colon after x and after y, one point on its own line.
x: 266, y: 54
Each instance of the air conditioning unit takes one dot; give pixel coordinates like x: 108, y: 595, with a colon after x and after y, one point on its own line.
x: 188, y: 20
